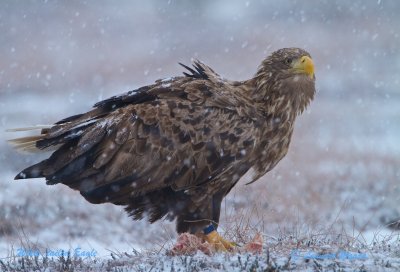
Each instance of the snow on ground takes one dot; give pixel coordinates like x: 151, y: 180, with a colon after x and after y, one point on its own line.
x: 337, y: 189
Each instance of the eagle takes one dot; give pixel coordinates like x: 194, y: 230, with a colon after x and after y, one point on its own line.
x: 174, y: 149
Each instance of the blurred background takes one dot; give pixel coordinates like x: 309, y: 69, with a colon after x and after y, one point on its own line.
x: 342, y: 171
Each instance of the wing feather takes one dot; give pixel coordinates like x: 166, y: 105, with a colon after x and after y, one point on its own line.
x: 176, y: 136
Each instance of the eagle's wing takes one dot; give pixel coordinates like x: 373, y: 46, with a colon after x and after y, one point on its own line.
x: 178, y: 133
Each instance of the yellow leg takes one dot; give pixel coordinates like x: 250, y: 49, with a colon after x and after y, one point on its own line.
x: 219, y: 243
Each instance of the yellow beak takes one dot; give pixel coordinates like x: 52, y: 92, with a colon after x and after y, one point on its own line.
x: 305, y: 65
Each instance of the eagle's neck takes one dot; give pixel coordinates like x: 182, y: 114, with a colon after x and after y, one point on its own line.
x: 280, y: 100
x: 279, y: 94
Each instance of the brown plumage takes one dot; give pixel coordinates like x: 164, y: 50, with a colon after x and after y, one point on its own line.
x: 174, y: 149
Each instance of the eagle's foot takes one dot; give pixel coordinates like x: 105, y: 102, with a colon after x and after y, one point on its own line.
x: 220, y: 244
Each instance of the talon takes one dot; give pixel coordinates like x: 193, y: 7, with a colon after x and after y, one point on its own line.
x: 219, y: 243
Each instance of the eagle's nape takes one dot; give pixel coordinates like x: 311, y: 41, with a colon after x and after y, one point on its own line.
x: 174, y: 149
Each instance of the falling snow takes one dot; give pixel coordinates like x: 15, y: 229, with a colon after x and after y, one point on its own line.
x: 341, y: 173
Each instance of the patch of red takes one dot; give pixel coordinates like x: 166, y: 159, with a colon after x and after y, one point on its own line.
x: 189, y: 244
x: 254, y: 246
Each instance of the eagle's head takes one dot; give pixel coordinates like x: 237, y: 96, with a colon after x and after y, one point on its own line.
x: 291, y: 62
x: 288, y: 72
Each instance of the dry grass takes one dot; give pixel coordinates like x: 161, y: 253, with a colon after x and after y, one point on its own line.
x: 286, y: 251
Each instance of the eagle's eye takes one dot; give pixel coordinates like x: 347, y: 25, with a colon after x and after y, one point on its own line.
x: 288, y: 60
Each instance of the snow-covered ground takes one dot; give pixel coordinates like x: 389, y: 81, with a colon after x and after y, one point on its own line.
x: 337, y: 189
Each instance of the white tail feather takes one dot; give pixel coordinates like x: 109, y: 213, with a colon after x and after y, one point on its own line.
x: 28, y: 128
x: 28, y: 144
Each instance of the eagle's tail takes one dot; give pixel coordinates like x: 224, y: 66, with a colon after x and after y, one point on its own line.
x: 28, y: 144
